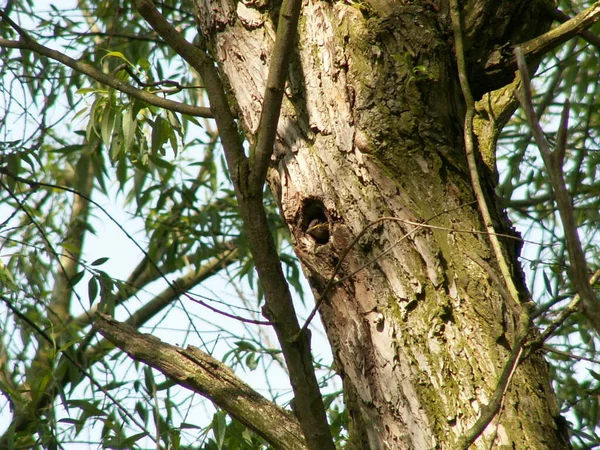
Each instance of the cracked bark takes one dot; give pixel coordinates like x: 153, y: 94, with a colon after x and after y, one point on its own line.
x: 371, y: 126
x: 200, y: 372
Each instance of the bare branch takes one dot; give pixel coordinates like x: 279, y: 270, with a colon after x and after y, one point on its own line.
x: 578, y: 270
x: 279, y: 307
x: 502, y: 59
x: 27, y: 43
x: 200, y: 372
x: 571, y: 308
x: 260, y: 155
x: 470, y: 148
x: 560, y: 16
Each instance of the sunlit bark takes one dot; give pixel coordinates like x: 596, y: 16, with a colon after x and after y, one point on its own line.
x: 372, y: 127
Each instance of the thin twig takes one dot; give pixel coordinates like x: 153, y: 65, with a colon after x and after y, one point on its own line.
x: 75, y: 363
x: 260, y: 155
x: 63, y: 322
x: 489, y: 411
x: 28, y: 43
x: 571, y: 308
x: 571, y: 355
x: 219, y: 105
x: 201, y: 373
x: 173, y: 286
x: 332, y: 281
x: 174, y: 86
x: 553, y: 162
x: 470, y: 149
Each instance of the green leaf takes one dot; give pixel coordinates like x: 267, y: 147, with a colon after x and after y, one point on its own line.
x: 245, y: 346
x: 107, y: 297
x: 128, y: 442
x: 100, y: 261
x: 68, y: 345
x: 149, y: 380
x: 117, y: 147
x: 99, y: 169
x: 67, y: 150
x: 129, y: 128
x: 252, y: 361
x: 122, y: 171
x: 106, y: 126
x: 144, y: 64
x: 142, y: 411
x: 92, y: 289
x: 159, y: 134
x: 89, y: 409
x: 175, y: 438
x: 6, y: 278
x: 114, y: 385
x: 167, y: 384
x: 83, y: 91
x: 194, y: 120
x: 118, y: 55
x: 594, y: 374
x: 77, y: 278
x: 219, y: 427
x: 185, y: 425
x: 13, y: 166
x: 547, y: 283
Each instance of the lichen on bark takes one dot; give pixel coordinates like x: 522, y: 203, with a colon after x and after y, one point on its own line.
x: 371, y: 127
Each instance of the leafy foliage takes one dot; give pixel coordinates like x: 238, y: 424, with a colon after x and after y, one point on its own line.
x: 157, y: 177
x: 566, y: 73
x: 66, y: 140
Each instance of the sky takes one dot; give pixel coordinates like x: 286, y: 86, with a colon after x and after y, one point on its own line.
x: 173, y: 327
x: 109, y: 241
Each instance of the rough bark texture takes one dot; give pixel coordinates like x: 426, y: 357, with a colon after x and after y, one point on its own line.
x: 371, y: 127
x: 209, y: 377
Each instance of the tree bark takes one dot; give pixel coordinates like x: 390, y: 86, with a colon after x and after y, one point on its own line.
x: 200, y: 372
x: 372, y: 127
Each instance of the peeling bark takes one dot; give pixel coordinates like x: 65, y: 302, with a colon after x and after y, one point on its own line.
x: 371, y: 127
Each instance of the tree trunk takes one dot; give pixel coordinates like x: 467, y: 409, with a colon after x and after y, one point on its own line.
x: 372, y: 127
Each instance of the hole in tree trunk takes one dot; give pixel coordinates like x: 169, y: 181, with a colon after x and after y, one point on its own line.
x: 315, y: 222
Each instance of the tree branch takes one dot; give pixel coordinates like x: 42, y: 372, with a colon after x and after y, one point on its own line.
x: 60, y: 300
x: 279, y: 307
x: 27, y: 43
x: 20, y: 422
x: 86, y: 357
x: 212, y: 379
x: 196, y: 58
x: 503, y: 60
x: 571, y: 308
x: 489, y: 411
x: 260, y: 155
x: 535, y: 48
x: 470, y: 152
x: 553, y: 161
x: 560, y: 16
